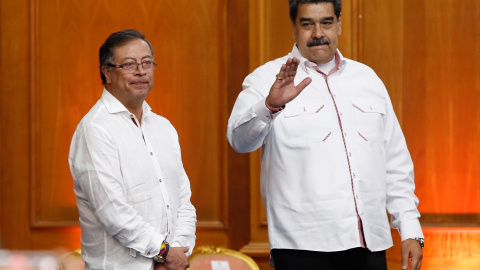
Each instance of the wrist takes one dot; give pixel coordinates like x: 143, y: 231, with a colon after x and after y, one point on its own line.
x: 420, y: 240
x: 161, y: 257
x: 272, y: 109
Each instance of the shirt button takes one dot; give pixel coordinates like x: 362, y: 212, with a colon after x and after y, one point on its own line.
x: 160, y: 180
x: 148, y: 253
x: 356, y: 196
x: 168, y: 206
x: 354, y: 175
x: 341, y: 115
x: 151, y: 153
x: 349, y: 153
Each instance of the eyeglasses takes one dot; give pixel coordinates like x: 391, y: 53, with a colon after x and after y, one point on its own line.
x: 132, y: 66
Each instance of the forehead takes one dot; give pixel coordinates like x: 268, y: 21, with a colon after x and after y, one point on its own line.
x: 133, y: 49
x: 315, y: 11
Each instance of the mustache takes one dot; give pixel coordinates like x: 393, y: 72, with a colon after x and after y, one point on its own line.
x: 318, y: 42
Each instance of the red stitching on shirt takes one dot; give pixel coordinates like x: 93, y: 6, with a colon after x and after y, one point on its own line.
x: 358, y: 108
x: 360, y: 223
x: 362, y: 136
x: 327, y: 136
x: 320, y: 109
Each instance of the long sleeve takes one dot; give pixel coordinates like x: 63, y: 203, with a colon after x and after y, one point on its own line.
x: 186, y: 216
x: 250, y: 120
x: 97, y: 172
x: 401, y: 200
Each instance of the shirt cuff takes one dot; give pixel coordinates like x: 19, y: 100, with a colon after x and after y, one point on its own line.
x: 410, y: 229
x: 263, y: 113
x: 153, y: 248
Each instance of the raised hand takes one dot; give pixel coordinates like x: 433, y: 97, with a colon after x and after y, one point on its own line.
x: 283, y: 89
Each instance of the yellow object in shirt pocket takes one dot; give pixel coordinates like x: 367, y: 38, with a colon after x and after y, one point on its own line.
x: 305, y: 121
x: 370, y: 114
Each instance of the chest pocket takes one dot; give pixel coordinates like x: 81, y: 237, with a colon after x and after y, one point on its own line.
x: 370, y: 118
x: 305, y: 121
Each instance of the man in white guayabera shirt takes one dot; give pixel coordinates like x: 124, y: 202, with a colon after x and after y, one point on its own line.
x: 133, y: 194
x: 334, y: 158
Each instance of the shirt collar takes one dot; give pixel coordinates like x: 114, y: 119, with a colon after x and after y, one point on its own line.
x: 113, y: 105
x: 306, y: 65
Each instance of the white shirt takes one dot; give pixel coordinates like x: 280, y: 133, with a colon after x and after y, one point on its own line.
x: 335, y: 151
x: 131, y: 189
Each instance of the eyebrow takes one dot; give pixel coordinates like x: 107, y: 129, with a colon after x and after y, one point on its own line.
x: 133, y: 58
x: 329, y: 18
x: 303, y: 19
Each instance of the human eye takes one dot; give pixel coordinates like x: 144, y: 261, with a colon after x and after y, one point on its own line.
x: 307, y: 24
x: 129, y: 65
x: 327, y: 23
x: 147, y: 64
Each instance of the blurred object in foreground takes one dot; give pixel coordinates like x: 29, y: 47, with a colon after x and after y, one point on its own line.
x: 40, y: 260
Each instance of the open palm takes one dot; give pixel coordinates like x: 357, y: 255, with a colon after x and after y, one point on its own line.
x: 283, y: 89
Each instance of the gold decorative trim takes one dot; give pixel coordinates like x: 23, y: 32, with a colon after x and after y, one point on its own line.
x: 214, y: 250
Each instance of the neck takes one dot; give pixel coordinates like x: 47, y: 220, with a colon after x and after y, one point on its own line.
x: 133, y: 106
x: 137, y: 112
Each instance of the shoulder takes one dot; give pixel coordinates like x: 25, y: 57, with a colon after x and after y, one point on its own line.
x: 95, y: 117
x: 160, y: 123
x: 358, y: 66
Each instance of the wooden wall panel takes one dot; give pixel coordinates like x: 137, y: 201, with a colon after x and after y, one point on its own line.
x: 54, y: 46
x: 14, y: 135
x: 434, y: 88
x: 420, y: 49
x: 181, y: 45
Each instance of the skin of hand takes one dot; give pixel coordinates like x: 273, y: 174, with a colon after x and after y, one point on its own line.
x: 284, y: 91
x: 411, y: 249
x: 176, y: 259
x: 159, y: 266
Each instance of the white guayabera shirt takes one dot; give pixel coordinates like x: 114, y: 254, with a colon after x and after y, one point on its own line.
x: 334, y: 155
x: 131, y: 188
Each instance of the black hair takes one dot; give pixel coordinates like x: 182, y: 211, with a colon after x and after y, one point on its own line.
x: 293, y: 4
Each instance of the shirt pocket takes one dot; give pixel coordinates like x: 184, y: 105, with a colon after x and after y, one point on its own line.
x: 138, y: 193
x: 370, y: 114
x: 306, y: 121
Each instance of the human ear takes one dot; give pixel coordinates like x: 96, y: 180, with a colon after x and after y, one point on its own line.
x: 106, y: 73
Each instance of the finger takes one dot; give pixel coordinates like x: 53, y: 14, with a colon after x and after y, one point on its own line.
x: 288, y: 67
x: 281, y: 74
x: 292, y: 69
x: 416, y: 263
x: 304, y: 84
x: 405, y: 255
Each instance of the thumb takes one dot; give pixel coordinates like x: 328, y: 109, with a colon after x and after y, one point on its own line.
x: 185, y: 249
x: 304, y: 84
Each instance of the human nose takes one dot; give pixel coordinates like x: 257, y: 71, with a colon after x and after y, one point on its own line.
x: 139, y: 68
x: 318, y: 31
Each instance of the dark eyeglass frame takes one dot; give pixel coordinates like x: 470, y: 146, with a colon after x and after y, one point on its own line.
x: 135, y: 66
